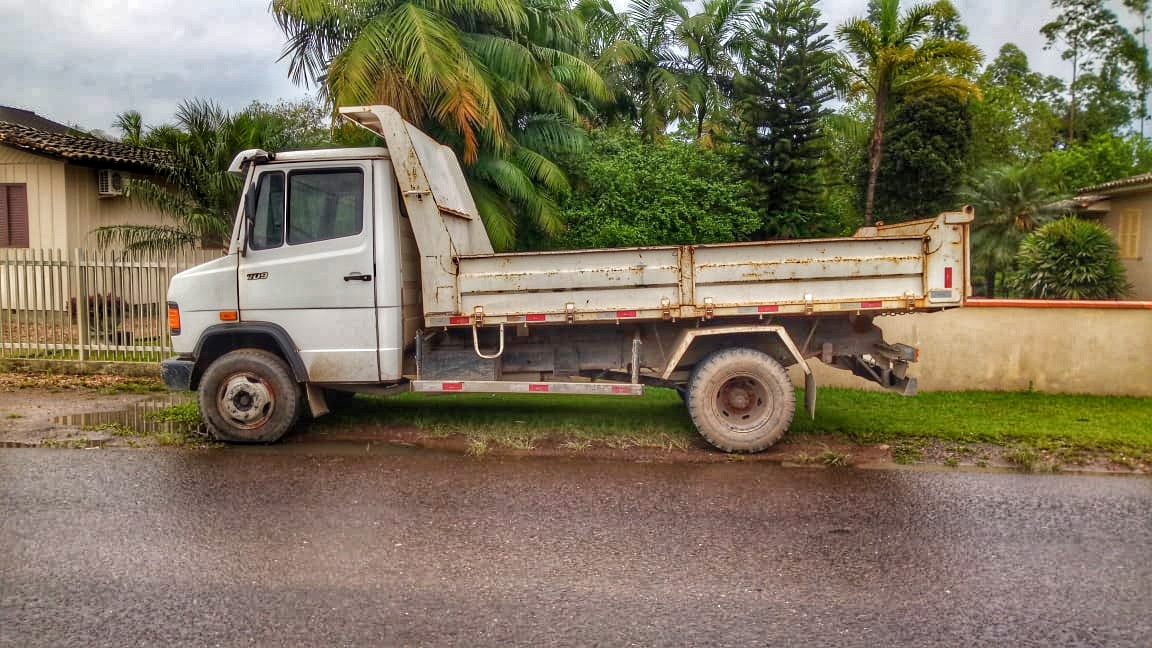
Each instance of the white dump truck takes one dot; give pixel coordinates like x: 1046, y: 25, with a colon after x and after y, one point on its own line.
x: 369, y: 270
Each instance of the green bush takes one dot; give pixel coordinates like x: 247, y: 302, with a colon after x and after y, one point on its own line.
x: 1069, y: 259
x: 629, y: 193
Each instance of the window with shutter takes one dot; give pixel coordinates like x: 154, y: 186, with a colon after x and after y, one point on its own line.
x: 1128, y: 238
x: 13, y: 215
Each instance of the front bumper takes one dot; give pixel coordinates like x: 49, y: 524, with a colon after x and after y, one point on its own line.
x: 177, y: 373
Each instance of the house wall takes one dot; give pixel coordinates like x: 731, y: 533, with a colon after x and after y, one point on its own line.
x: 87, y: 210
x: 1082, y: 350
x: 1139, y: 270
x: 45, y: 180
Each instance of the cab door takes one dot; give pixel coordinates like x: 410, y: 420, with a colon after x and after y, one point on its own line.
x: 309, y: 266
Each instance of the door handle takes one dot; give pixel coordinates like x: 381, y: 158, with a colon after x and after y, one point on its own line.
x: 357, y: 276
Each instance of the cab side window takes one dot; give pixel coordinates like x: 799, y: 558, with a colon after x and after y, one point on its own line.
x: 325, y: 204
x: 268, y: 226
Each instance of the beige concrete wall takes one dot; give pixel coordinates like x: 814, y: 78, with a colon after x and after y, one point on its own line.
x: 45, y: 180
x: 1055, y: 350
x: 1139, y: 270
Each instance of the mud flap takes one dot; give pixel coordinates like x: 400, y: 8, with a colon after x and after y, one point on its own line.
x: 316, y: 400
x: 810, y: 394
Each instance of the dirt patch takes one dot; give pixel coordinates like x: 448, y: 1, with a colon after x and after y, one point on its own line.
x: 33, y: 404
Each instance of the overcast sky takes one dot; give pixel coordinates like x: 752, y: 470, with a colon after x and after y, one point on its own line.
x: 83, y: 61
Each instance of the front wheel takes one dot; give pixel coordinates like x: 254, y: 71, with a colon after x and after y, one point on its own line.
x: 249, y: 396
x: 741, y: 400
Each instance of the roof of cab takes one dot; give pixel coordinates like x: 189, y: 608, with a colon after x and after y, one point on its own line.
x: 318, y: 155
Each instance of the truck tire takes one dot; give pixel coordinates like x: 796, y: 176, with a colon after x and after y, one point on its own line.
x: 249, y: 396
x: 741, y: 400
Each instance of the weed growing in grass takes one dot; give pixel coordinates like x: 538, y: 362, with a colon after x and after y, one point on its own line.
x: 576, y: 444
x: 1024, y: 458
x: 834, y: 459
x: 1030, y: 459
x: 804, y: 458
x: 906, y: 453
x: 476, y: 447
x: 619, y: 443
x: 516, y: 441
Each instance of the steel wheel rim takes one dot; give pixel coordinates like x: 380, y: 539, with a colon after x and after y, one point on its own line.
x: 742, y: 402
x: 246, y: 400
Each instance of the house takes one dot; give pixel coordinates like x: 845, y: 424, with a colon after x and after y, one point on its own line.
x: 1125, y: 208
x: 56, y: 187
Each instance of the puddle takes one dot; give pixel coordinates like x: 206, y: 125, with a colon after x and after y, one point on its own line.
x: 134, y: 417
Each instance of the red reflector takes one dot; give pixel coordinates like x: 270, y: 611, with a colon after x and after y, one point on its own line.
x: 947, y: 277
x: 537, y: 388
x: 872, y: 304
x: 535, y: 317
x: 767, y: 309
x: 621, y: 390
x: 625, y: 313
x: 456, y: 386
x: 459, y: 320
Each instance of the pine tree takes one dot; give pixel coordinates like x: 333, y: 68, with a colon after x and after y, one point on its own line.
x: 781, y: 99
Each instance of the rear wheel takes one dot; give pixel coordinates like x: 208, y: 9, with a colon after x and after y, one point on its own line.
x: 741, y: 400
x: 249, y: 396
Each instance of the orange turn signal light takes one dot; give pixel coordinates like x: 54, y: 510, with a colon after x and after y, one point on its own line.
x: 173, y: 318
x: 229, y: 316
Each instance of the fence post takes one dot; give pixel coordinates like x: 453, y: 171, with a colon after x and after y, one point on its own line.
x: 81, y: 302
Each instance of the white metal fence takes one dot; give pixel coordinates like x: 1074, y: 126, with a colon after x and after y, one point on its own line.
x: 87, y: 305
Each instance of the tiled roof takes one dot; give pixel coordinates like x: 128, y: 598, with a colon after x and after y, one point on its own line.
x: 83, y: 150
x: 1123, y: 183
x: 1082, y: 204
x: 31, y: 120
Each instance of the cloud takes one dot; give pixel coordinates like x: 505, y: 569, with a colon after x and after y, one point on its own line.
x: 84, y: 61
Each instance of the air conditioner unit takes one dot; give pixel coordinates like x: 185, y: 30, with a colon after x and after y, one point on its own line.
x: 110, y: 183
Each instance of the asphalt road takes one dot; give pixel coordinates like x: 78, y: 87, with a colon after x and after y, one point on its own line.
x: 328, y: 546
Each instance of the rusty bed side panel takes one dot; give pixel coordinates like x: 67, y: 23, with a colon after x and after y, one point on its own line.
x: 825, y: 270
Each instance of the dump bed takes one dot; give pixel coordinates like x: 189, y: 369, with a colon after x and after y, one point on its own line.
x: 922, y: 265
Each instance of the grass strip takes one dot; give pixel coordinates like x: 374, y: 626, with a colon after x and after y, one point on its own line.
x: 659, y: 418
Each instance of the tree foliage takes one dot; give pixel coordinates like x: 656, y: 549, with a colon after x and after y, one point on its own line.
x: 504, y: 83
x: 926, y: 162
x: 1103, y: 158
x: 896, y: 53
x: 1069, y: 259
x: 198, y: 195
x: 1009, y: 202
x: 1103, y: 56
x: 630, y: 193
x: 1019, y: 118
x: 714, y: 39
x: 781, y: 103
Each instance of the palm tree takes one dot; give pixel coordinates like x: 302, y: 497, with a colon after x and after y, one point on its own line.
x: 900, y: 55
x: 198, y: 194
x: 1009, y: 204
x: 715, y: 38
x: 502, y: 82
x: 131, y: 126
x: 638, y: 53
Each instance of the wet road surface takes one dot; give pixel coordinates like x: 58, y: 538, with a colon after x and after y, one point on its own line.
x: 341, y: 546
